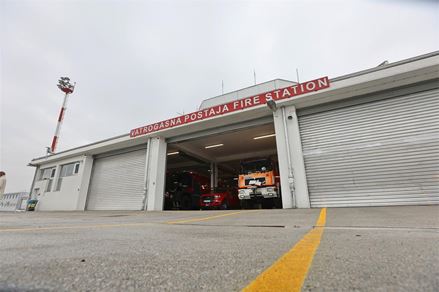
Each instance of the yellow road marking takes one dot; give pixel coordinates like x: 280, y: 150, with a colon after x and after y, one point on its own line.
x: 117, y: 225
x: 74, y: 227
x: 321, y: 222
x: 289, y: 272
x: 208, y: 217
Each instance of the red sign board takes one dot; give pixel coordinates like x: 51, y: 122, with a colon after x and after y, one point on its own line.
x: 233, y: 106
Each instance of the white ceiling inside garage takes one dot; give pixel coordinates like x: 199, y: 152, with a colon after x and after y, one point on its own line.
x: 237, y: 145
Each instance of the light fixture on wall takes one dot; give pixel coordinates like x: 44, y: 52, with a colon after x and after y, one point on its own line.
x: 214, y: 146
x: 272, y: 105
x: 264, y: 136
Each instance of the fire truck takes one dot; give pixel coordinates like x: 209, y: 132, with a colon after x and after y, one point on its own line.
x: 258, y: 183
x: 183, y: 190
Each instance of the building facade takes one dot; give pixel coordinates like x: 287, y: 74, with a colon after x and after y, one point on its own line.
x: 370, y: 138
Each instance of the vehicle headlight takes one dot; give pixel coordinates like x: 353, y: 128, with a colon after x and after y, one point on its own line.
x: 270, y: 190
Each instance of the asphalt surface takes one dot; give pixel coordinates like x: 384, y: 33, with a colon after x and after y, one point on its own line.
x: 362, y: 249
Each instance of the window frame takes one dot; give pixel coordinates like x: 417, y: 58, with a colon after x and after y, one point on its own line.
x: 50, y: 171
x: 74, y: 172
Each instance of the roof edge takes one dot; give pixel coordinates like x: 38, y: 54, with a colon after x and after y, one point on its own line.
x: 79, y: 147
x: 386, y: 66
x: 343, y: 77
x: 247, y: 88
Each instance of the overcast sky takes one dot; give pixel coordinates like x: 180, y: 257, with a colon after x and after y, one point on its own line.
x: 137, y: 62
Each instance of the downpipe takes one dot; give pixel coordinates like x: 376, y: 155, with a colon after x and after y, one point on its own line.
x: 290, y: 168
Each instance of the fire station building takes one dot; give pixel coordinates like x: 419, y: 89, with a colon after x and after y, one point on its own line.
x: 370, y: 138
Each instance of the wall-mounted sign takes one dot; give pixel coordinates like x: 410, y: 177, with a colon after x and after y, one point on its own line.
x: 240, y: 104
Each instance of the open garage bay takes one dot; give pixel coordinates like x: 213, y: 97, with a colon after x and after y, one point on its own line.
x: 215, y: 170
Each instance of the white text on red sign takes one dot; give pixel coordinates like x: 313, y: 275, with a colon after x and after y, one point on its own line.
x: 248, y: 102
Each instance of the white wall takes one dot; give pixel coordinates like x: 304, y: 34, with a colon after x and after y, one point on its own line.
x: 246, y: 92
x: 294, y: 185
x: 156, y: 173
x: 85, y: 171
x: 72, y: 192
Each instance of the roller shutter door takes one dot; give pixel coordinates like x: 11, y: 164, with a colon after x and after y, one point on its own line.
x: 374, y: 154
x: 117, y: 182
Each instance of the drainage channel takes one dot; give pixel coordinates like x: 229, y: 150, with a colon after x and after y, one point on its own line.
x: 224, y: 225
x: 116, y: 215
x: 380, y: 228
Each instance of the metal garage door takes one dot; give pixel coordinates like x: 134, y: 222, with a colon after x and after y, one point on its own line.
x: 117, y: 182
x: 374, y: 154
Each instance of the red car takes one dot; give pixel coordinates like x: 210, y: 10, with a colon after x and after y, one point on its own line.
x: 221, y: 200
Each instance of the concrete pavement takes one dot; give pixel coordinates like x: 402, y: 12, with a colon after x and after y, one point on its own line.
x: 378, y: 249
x: 362, y: 249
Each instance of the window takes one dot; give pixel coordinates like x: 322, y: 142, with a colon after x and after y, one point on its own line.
x: 76, y: 168
x: 48, y: 174
x: 50, y: 182
x: 67, y: 170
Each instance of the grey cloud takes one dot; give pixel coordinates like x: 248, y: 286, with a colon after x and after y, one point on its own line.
x: 137, y: 62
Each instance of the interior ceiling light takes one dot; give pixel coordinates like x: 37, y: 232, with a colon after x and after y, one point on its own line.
x: 265, y: 136
x: 173, y: 153
x: 213, y: 146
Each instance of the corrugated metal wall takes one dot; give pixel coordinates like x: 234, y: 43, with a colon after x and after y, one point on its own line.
x: 117, y: 182
x: 374, y: 154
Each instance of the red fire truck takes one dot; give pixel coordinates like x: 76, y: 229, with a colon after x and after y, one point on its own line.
x: 183, y: 190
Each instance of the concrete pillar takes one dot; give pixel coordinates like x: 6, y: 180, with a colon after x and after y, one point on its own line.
x: 213, y: 176
x: 286, y: 174
x: 216, y: 175
x: 294, y: 186
x: 86, y: 168
x: 156, y: 174
x: 301, y: 185
x: 32, y: 195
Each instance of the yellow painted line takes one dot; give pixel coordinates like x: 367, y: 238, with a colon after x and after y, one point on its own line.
x: 208, y: 217
x: 115, y: 225
x: 74, y: 227
x: 321, y: 222
x: 289, y: 272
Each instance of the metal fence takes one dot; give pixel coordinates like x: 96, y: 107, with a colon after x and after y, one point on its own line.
x: 14, y: 201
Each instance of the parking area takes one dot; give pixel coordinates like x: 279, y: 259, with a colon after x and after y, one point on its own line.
x: 362, y: 249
